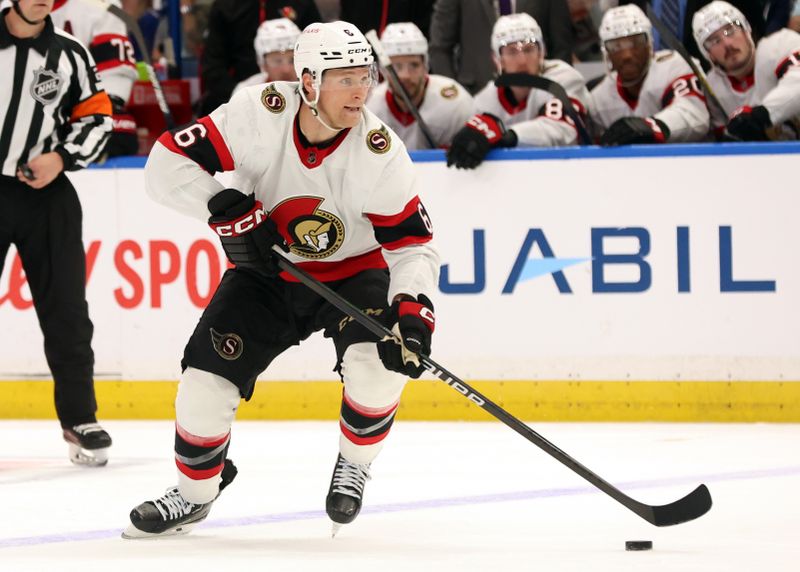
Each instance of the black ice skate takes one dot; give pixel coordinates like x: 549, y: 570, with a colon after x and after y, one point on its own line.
x: 347, y: 489
x: 171, y: 514
x: 88, y: 444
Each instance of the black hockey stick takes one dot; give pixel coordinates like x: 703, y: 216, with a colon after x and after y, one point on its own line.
x: 675, y: 44
x: 690, y: 507
x: 554, y: 89
x: 386, y: 63
x: 133, y: 28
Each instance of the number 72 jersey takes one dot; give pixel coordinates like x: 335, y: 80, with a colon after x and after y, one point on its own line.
x: 107, y: 39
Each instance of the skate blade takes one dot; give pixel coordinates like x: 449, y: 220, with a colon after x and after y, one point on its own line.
x: 133, y: 533
x: 88, y: 457
x: 335, y: 527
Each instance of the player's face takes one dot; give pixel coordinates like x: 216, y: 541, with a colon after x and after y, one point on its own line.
x: 36, y: 10
x: 280, y: 66
x: 342, y: 95
x: 629, y: 56
x: 729, y: 47
x: 412, y: 72
x: 520, y: 57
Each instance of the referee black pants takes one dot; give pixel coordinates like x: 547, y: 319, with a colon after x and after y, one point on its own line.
x: 46, y: 227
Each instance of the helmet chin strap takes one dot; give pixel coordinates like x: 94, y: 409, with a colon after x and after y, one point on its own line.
x: 18, y: 10
x: 313, y: 106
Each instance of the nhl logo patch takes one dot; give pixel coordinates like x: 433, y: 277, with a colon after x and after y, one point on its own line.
x: 449, y: 91
x: 379, y: 141
x: 272, y: 99
x: 228, y: 346
x: 46, y: 86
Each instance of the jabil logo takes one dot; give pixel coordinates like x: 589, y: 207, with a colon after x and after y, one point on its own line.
x: 528, y: 266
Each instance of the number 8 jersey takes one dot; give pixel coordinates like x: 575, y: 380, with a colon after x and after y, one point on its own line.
x: 539, y: 121
x: 670, y: 93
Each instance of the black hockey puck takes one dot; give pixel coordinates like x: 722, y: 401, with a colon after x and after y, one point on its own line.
x: 638, y: 545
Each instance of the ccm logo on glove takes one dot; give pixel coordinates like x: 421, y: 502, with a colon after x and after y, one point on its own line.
x: 242, y: 225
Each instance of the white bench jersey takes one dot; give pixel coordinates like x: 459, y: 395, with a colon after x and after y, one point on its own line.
x: 775, y: 82
x: 445, y: 109
x: 539, y: 121
x: 670, y: 93
x: 107, y: 39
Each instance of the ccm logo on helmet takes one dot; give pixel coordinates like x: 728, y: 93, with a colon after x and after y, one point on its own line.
x: 358, y: 50
x: 244, y: 224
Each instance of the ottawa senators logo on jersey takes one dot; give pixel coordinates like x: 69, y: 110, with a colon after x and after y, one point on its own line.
x: 379, y: 141
x: 228, y: 346
x: 449, y: 91
x: 46, y: 86
x: 272, y: 99
x: 310, y: 231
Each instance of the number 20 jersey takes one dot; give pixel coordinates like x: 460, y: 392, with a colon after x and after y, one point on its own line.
x: 670, y: 93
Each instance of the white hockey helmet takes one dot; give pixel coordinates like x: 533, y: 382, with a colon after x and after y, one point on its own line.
x: 404, y: 39
x: 328, y: 46
x: 711, y: 18
x: 624, y: 21
x: 519, y: 27
x: 279, y: 35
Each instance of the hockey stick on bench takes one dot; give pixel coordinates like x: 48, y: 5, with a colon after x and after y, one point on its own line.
x: 690, y: 507
x: 386, y: 63
x: 554, y: 89
x: 133, y: 28
x: 676, y: 45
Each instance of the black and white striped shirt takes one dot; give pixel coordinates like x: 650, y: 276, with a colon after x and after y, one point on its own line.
x: 51, y: 99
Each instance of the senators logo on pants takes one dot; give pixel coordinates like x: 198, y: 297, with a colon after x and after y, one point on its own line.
x: 228, y: 346
x: 310, y: 231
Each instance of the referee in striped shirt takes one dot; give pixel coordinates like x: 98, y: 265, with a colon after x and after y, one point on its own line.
x: 54, y: 117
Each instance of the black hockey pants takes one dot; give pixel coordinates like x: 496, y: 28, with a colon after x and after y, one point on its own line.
x: 46, y: 227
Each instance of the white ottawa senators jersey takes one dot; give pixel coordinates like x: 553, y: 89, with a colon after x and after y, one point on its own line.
x: 775, y: 82
x: 540, y: 120
x: 107, y: 39
x: 444, y: 109
x: 345, y: 207
x: 670, y: 93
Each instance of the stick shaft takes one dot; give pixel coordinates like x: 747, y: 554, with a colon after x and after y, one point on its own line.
x: 681, y: 511
x: 386, y: 63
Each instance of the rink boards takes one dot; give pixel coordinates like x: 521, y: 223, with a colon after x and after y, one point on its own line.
x: 641, y: 283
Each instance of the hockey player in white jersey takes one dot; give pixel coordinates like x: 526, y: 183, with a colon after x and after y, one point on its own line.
x: 511, y: 116
x: 758, y: 87
x: 443, y: 103
x: 107, y: 39
x: 646, y: 97
x: 274, y: 45
x: 320, y: 176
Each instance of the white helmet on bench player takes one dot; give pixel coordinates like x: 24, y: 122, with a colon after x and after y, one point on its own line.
x: 278, y: 35
x: 404, y: 39
x: 520, y: 27
x: 711, y: 18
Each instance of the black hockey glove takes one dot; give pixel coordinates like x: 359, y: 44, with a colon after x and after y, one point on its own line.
x: 474, y: 141
x: 413, y: 322
x: 123, y: 140
x: 750, y: 124
x: 632, y: 130
x: 246, y: 232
